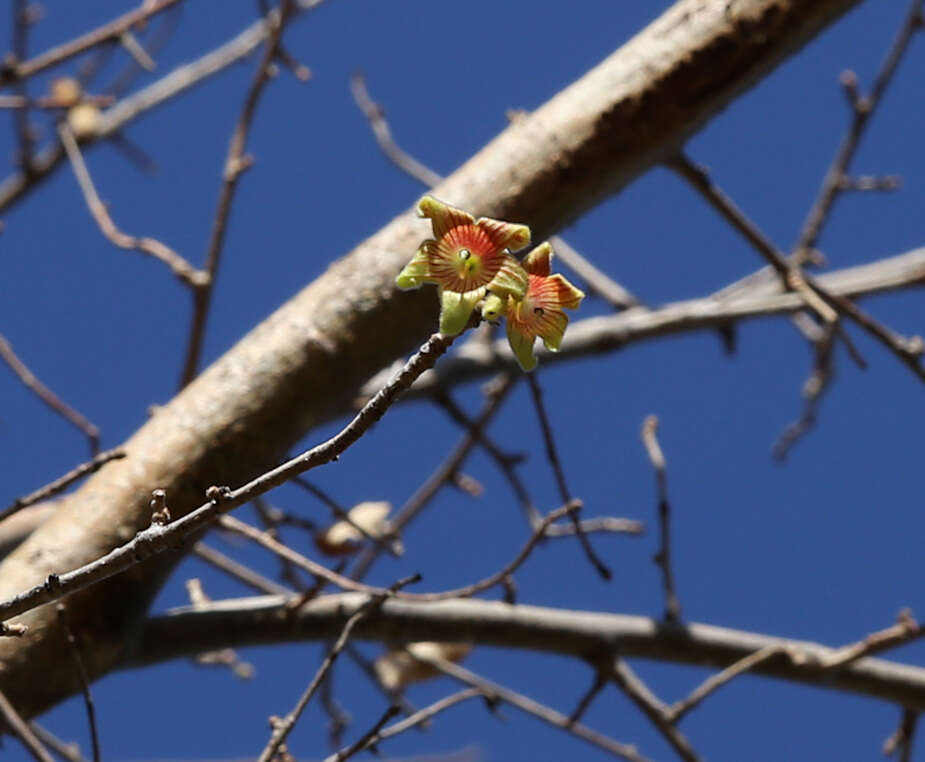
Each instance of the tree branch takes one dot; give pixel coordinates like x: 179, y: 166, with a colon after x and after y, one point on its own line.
x: 258, y: 621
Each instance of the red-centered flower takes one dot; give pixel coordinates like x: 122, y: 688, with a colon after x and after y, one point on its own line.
x: 466, y: 258
x: 539, y: 312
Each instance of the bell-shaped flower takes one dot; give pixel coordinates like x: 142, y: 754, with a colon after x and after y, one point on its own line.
x: 539, y: 312
x: 466, y: 258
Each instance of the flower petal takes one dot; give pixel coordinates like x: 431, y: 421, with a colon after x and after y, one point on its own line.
x: 505, y: 235
x: 521, y: 346
x: 456, y: 308
x: 563, y: 293
x: 510, y: 280
x: 551, y: 327
x: 418, y: 270
x: 443, y: 217
x: 537, y: 261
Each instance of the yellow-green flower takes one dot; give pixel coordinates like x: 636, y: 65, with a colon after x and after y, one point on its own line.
x: 539, y: 311
x: 466, y: 258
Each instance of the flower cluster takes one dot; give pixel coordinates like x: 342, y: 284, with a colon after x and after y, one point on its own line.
x: 470, y: 260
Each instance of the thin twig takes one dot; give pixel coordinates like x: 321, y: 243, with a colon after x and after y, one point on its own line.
x: 17, y: 726
x: 662, y: 557
x: 677, y: 710
x: 904, y: 631
x: 264, y: 539
x: 235, y: 164
x: 862, y: 108
x: 84, y: 680
x: 183, y: 270
x: 238, y: 570
x: 283, y: 726
x: 900, y: 741
x: 495, y: 692
x: 47, y: 396
x: 790, y: 275
x: 20, y: 44
x: 597, y: 685
x: 70, y: 752
x: 639, y: 693
x: 368, y: 738
x: 62, y: 482
x: 553, y: 456
x: 156, y: 538
x: 108, y: 32
x: 414, y: 720
x: 820, y: 377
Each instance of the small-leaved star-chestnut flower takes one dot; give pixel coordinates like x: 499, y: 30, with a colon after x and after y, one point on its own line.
x: 539, y: 312
x: 466, y: 258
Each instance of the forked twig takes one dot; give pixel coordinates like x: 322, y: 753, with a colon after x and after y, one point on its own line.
x: 183, y: 270
x: 283, y: 726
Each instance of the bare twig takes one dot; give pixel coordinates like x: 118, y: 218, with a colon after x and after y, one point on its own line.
x: 157, y: 539
x: 282, y: 727
x: 677, y: 710
x: 67, y: 751
x: 22, y: 731
x: 108, y: 32
x: 495, y: 692
x: 597, y: 685
x: 183, y: 270
x: 24, y: 132
x: 663, y: 557
x: 239, y: 571
x: 790, y: 275
x: 553, y: 456
x: 84, y: 681
x: 414, y: 720
x: 900, y: 741
x: 819, y: 379
x: 322, y: 572
x: 368, y: 739
x: 375, y: 115
x: 862, y: 108
x: 639, y: 693
x: 235, y: 164
x: 62, y: 482
x: 905, y: 630
x: 48, y: 396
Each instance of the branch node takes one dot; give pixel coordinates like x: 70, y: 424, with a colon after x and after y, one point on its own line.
x: 160, y: 513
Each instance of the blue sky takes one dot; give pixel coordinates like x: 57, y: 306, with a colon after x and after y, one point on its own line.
x: 826, y: 547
